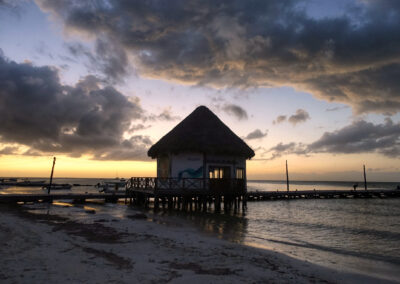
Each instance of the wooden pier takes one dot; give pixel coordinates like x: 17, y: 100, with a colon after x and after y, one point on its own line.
x: 321, y: 194
x: 196, y: 194
x: 200, y: 194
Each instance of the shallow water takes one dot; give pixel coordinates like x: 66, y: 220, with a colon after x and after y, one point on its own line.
x: 356, y: 235
x: 349, y: 234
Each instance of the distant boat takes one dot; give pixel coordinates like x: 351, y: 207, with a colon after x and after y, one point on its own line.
x: 55, y: 186
x: 25, y: 183
x: 8, y: 180
x: 114, y: 185
x: 31, y: 183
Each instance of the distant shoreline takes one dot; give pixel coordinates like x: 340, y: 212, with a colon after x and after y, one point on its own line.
x: 248, y: 180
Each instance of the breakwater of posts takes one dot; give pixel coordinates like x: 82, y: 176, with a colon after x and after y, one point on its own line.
x: 200, y: 194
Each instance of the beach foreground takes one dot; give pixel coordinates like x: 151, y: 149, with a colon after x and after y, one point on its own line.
x: 38, y: 248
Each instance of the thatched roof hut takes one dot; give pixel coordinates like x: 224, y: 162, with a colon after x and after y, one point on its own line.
x: 202, y: 132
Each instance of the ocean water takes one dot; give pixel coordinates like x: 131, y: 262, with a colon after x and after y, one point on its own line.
x: 271, y: 185
x: 354, y: 235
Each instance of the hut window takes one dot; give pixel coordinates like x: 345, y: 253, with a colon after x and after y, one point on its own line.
x: 240, y: 173
x: 219, y: 172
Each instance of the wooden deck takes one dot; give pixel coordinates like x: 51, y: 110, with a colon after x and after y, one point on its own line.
x: 187, y: 193
x: 190, y: 185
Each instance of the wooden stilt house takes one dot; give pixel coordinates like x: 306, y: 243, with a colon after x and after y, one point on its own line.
x: 201, y: 153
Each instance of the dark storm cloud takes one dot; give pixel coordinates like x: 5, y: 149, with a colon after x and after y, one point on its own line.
x: 256, y: 134
x: 36, y: 110
x: 31, y: 152
x: 361, y: 137
x: 300, y: 116
x: 9, y: 150
x: 375, y: 89
x: 128, y: 150
x: 108, y: 58
x: 352, y: 58
x: 235, y: 110
x: 358, y: 137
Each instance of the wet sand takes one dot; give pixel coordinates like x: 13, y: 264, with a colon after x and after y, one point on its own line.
x: 39, y: 248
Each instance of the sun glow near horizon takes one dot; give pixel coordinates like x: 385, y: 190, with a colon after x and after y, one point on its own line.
x: 67, y: 167
x: 321, y: 167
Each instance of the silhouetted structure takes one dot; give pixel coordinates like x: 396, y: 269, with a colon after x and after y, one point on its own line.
x: 201, y: 132
x: 201, y: 146
x: 201, y: 158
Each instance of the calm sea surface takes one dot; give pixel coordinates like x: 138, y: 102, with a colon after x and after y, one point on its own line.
x: 268, y: 185
x: 355, y: 235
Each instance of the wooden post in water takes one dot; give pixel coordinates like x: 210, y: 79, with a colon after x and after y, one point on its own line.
x: 287, y: 177
x: 365, y: 179
x: 51, y: 175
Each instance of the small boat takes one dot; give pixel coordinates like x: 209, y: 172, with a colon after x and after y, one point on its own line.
x: 31, y: 183
x: 55, y: 186
x: 8, y: 181
x: 18, y: 182
x: 114, y: 185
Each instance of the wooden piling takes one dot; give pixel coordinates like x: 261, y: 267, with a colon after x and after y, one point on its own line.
x: 287, y: 177
x: 51, y: 175
x: 365, y: 179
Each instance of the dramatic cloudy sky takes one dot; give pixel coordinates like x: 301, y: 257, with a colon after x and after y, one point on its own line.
x: 96, y: 83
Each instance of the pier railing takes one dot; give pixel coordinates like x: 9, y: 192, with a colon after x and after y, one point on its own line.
x: 187, y: 185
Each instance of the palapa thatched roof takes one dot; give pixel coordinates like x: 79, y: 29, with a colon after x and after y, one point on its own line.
x: 201, y: 132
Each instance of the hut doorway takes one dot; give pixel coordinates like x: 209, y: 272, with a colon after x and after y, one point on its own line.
x: 219, y: 178
x: 164, y: 167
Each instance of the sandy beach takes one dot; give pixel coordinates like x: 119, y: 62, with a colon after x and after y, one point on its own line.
x: 38, y: 248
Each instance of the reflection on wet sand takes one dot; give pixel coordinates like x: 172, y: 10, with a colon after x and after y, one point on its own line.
x: 229, y: 226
